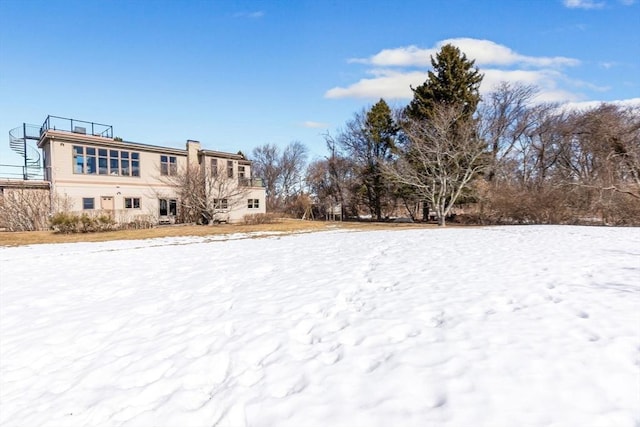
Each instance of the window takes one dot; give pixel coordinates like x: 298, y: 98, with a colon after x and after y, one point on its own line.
x: 103, y: 162
x: 220, y: 204
x: 135, y: 164
x: 124, y: 163
x: 229, y: 168
x: 100, y: 161
x: 114, y: 162
x: 168, y: 207
x: 132, y: 202
x: 88, y: 203
x: 214, y: 167
x: 91, y: 161
x: 253, y: 203
x: 168, y: 165
x: 78, y: 159
x: 241, y: 172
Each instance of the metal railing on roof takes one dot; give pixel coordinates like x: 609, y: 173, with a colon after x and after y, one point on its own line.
x: 76, y: 126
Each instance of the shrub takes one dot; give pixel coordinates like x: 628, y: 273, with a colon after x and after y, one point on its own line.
x: 64, y: 222
x: 261, y: 218
x: 560, y: 204
x: 138, y: 224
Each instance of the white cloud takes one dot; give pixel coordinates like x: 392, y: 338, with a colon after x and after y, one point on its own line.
x: 394, y: 71
x: 315, y: 125
x: 402, y: 56
x: 585, y: 105
x: 386, y: 84
x: 484, y: 52
x: 584, y: 4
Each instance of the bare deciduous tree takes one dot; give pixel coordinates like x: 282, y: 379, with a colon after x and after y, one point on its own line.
x: 331, y: 182
x: 505, y: 118
x: 282, y: 172
x: 206, y: 196
x: 440, y: 158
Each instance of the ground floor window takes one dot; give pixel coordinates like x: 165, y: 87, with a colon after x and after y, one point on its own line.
x: 220, y: 203
x: 132, y: 202
x: 168, y: 207
x: 253, y: 203
x: 88, y: 203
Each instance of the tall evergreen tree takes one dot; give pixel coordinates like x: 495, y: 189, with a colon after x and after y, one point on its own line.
x: 454, y: 82
x: 381, y: 131
x: 368, y: 141
x: 441, y: 153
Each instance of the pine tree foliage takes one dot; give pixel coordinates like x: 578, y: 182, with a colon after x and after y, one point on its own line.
x: 454, y: 82
x: 442, y: 154
x: 368, y: 141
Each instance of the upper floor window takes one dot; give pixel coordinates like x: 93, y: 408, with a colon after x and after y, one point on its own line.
x: 214, y: 167
x: 100, y: 161
x: 241, y: 172
x: 168, y: 165
x: 229, y: 168
x: 78, y: 159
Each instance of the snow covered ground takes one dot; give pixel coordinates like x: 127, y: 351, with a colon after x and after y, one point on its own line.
x: 505, y: 326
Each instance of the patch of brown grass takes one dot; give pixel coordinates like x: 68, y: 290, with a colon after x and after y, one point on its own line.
x: 283, y: 226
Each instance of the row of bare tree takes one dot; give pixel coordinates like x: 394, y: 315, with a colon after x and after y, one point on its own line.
x: 516, y: 161
x: 553, y: 165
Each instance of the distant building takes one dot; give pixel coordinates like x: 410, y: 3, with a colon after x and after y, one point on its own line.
x: 88, y: 170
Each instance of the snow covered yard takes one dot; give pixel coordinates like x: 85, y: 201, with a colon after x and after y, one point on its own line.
x: 505, y: 326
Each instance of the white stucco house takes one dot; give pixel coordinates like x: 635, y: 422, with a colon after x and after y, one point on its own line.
x: 88, y: 170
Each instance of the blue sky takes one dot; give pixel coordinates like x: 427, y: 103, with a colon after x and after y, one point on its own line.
x: 235, y: 75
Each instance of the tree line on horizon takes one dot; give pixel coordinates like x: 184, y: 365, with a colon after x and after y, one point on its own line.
x: 506, y: 159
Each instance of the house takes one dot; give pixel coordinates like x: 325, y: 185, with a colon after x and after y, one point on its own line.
x: 88, y: 170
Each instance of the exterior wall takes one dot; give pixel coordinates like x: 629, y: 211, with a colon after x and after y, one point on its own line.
x: 243, y: 209
x: 24, y: 205
x: 236, y: 189
x: 110, y: 192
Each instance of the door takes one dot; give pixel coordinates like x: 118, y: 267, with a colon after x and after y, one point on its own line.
x: 106, y: 204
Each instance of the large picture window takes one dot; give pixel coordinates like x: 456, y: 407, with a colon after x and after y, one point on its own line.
x: 101, y: 161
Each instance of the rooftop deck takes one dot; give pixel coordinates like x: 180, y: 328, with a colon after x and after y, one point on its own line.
x: 63, y: 124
